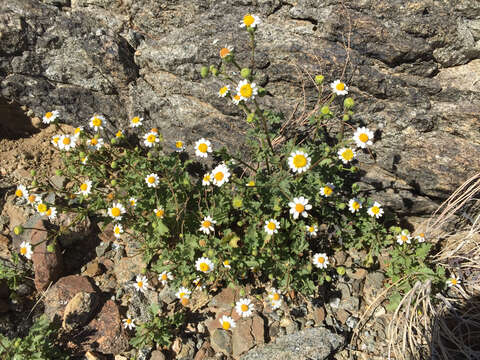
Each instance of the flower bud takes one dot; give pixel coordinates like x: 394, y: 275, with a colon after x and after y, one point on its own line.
x: 33, y: 172
x: 348, y: 103
x: 346, y: 117
x: 234, y: 242
x: 319, y: 79
x: 114, y: 165
x: 341, y: 270
x: 18, y: 230
x: 211, y: 253
x: 237, y: 202
x: 113, y: 141
x: 251, y: 29
x: 262, y: 91
x: 204, y: 72
x: 34, y: 183
x: 250, y: 118
x: 328, y: 278
x: 254, y: 252
x: 113, y: 182
x: 58, y: 172
x: 51, y: 248
x: 325, y: 110
x: 82, y: 154
x: 202, y: 242
x: 215, y: 72
x: 245, y: 73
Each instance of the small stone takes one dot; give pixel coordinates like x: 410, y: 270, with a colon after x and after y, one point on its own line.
x: 342, y: 315
x: 223, y: 300
x: 373, y: 286
x: 79, y: 310
x: 379, y: 311
x: 334, y: 303
x: 58, y: 181
x: 93, y: 269
x: 127, y: 268
x: 221, y: 342
x: 358, y: 274
x: 351, y: 322
x: 319, y: 315
x: 242, y: 339
x: 102, y: 248
x: 36, y: 122
x: 157, y: 355
x: 340, y: 257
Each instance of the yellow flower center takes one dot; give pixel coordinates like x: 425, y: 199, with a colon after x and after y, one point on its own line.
x: 311, y: 229
x: 204, y: 267
x: 363, y: 137
x: 327, y: 190
x: 224, y: 52
x: 84, y: 187
x: 206, y: 224
x: 151, y: 179
x: 453, y: 281
x: 32, y: 198
x: 244, y: 307
x: 226, y: 325
x: 421, y: 235
x: 55, y: 139
x: 251, y: 183
x: 19, y: 193
x: 77, y: 130
x: 94, y: 142
x: 226, y: 262
x: 299, y: 161
x: 159, y: 213
x: 356, y: 205
x: 271, y: 225
x: 97, y: 121
x: 116, y: 211
x: 206, y: 178
x: 184, y: 301
x: 49, y: 212
x: 117, y: 230
x: 132, y: 202
x: 404, y: 238
x: 164, y: 277
x: 181, y: 295
x: 119, y: 134
x: 276, y: 297
x: 321, y: 260
x: 236, y: 97
x: 23, y: 250
x: 129, y: 321
x: 203, y: 147
x: 248, y: 20
x: 140, y: 284
x: 84, y: 159
x: 42, y: 208
x: 223, y: 90
x: 136, y: 120
x: 375, y: 209
x: 179, y: 144
x: 246, y: 91
x: 151, y: 138
x: 219, y: 176
x: 299, y: 208
x: 348, y: 154
x: 48, y: 115
x: 66, y: 141
x: 340, y: 86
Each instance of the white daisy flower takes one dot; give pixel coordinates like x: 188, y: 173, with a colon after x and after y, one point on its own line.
x: 453, y: 281
x: 404, y: 237
x: 320, y: 260
x: 95, y: 143
x: 151, y: 138
x: 116, y: 211
x: 78, y: 131
x: 223, y: 91
x: 159, y: 213
x: 164, y: 277
x: 67, y: 142
x: 312, y: 230
x: 133, y: 202
x: 207, y: 225
x: 220, y: 175
x: 339, y: 87
x: 203, y: 147
x: 226, y: 264
x: 119, y: 134
x: 41, y: 208
x: 299, y: 161
x: 55, y: 139
x: 363, y: 137
x: 141, y: 283
x: 198, y: 284
x: 26, y: 250
x: 244, y: 307
x: 251, y: 183
x: 50, y: 116
x: 271, y: 226
x: 21, y: 192
x: 152, y: 180
x: 117, y: 230
x: 354, y: 205
x: 327, y: 189
x: 204, y: 265
x: 179, y: 146
x: 85, y: 188
x: 227, y: 322
x: 84, y: 160
x: 420, y: 238
x: 207, y: 179
x: 33, y: 199
x: 375, y: 210
x: 299, y: 206
x: 250, y: 20
x: 346, y: 154
x: 275, y: 298
x: 183, y: 292
x: 128, y: 323
x: 136, y: 122
x: 51, y: 213
x: 247, y: 90
x: 226, y: 51
x: 236, y: 99
x: 96, y: 122
x: 276, y: 304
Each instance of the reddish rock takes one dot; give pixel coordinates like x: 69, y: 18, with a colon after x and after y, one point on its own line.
x: 224, y: 300
x: 258, y: 329
x: 93, y: 269
x: 59, y: 295
x: 157, y: 355
x: 108, y: 335
x: 204, y: 352
x: 319, y: 315
x: 248, y: 333
x: 79, y: 310
x: 48, y: 266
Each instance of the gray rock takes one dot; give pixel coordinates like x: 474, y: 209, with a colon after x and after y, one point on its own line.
x: 313, y: 344
x: 79, y: 310
x: 221, y: 341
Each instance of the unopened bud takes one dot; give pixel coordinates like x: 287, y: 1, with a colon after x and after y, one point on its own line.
x: 319, y: 79
x: 245, y: 73
x: 348, y: 103
x: 346, y: 117
x: 262, y: 91
x: 18, y: 230
x: 325, y: 110
x: 204, y: 72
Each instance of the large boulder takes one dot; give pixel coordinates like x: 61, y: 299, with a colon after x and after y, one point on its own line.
x: 411, y: 65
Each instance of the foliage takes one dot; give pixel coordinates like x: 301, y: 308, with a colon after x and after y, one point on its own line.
x: 39, y: 344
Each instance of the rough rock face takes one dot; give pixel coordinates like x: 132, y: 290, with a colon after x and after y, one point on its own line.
x: 412, y: 68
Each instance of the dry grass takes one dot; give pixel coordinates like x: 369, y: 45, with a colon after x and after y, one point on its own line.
x: 440, y: 327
